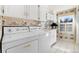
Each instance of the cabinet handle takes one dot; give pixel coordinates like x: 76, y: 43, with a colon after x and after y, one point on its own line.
x: 27, y: 45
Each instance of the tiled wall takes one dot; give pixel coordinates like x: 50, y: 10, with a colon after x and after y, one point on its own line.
x: 12, y: 21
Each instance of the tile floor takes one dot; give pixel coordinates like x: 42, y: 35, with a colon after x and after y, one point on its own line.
x: 63, y: 47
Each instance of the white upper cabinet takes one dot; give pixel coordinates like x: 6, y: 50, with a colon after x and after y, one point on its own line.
x: 37, y: 12
x: 1, y: 7
x: 22, y: 11
x: 15, y: 11
x: 43, y: 12
x: 32, y: 12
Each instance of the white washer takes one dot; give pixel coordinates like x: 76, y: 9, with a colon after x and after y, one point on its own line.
x: 19, y: 40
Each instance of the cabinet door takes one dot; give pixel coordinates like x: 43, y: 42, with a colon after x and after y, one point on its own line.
x: 52, y: 35
x: 44, y: 45
x: 30, y: 47
x: 43, y: 12
x: 46, y: 41
x: 32, y: 12
x: 14, y: 11
x: 1, y: 8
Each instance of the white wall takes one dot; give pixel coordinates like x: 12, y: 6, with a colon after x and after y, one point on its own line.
x: 77, y: 26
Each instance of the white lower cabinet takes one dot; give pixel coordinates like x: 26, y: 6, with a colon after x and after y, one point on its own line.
x: 52, y: 35
x: 44, y: 44
x: 29, y: 47
x: 46, y: 40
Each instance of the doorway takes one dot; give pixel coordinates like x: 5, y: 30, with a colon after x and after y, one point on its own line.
x: 66, y: 32
x: 66, y: 25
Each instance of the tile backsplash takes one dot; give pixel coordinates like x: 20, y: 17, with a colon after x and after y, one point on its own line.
x: 12, y: 21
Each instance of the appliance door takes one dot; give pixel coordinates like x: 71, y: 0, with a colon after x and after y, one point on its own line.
x: 29, y: 47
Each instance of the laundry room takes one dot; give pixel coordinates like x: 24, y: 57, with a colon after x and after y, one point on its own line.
x: 39, y: 28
